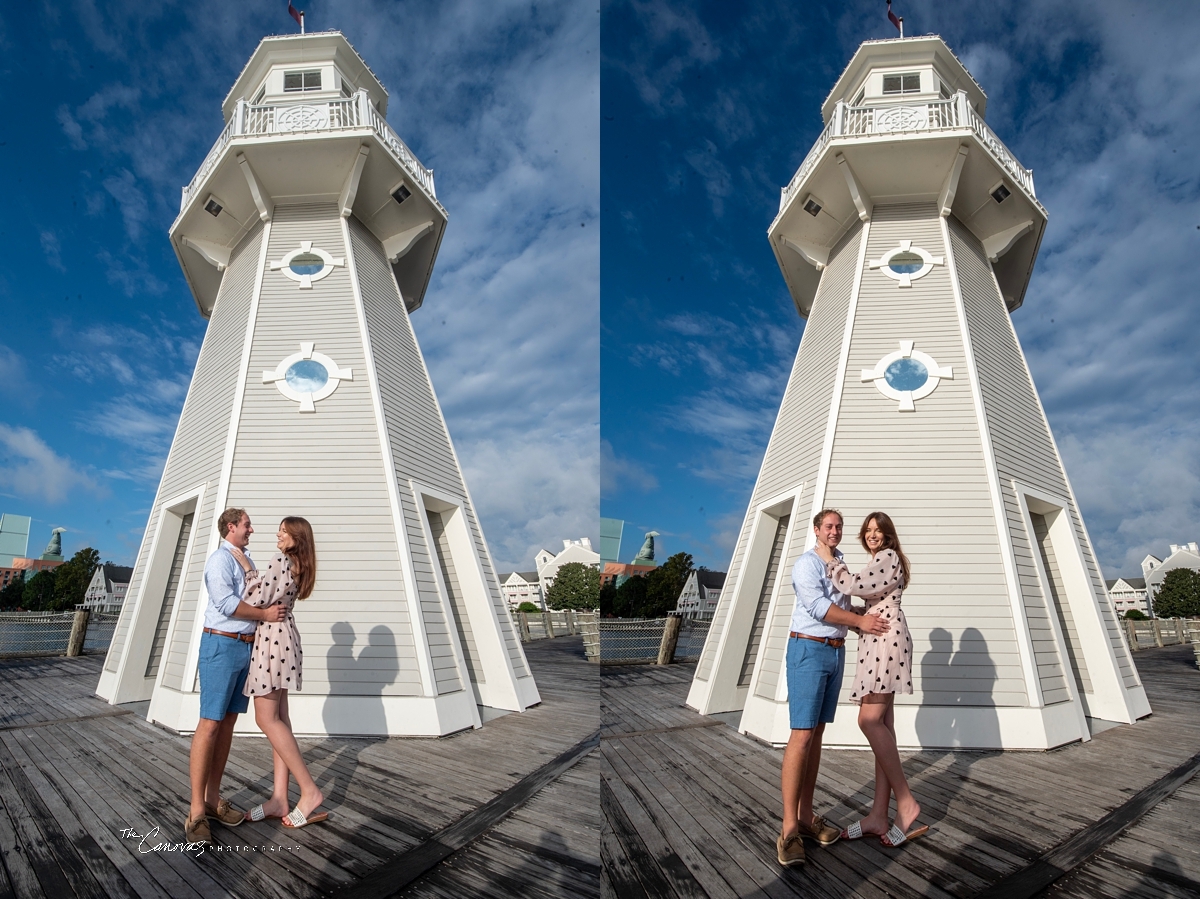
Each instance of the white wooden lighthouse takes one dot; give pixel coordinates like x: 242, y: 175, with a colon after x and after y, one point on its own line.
x: 907, y: 238
x: 308, y: 237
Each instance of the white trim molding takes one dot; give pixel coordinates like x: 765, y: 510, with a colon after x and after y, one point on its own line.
x: 329, y: 263
x: 333, y: 377
x: 934, y: 375
x: 928, y: 261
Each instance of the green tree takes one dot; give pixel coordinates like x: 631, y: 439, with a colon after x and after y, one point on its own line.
x: 71, y: 578
x: 630, y: 598
x: 13, y: 595
x: 1179, y: 595
x: 664, y: 584
x: 528, y: 606
x: 576, y: 586
x: 38, y: 595
x: 608, y: 597
x: 1135, y: 615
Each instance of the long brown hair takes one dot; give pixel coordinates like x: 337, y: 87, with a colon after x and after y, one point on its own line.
x: 303, y: 554
x: 890, y: 540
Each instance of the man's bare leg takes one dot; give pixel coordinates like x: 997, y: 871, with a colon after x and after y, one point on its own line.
x: 220, y: 755
x: 808, y: 782
x: 200, y: 762
x: 801, y: 759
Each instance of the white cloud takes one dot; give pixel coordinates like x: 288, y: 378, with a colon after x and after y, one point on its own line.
x: 52, y: 249
x: 31, y: 469
x: 618, y: 473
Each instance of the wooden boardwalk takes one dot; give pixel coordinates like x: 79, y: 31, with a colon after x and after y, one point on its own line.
x: 691, y: 807
x: 511, y: 809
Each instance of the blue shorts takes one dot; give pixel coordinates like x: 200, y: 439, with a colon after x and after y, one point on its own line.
x: 814, y: 679
x: 224, y: 664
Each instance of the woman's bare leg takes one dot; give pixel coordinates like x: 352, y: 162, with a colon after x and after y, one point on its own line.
x: 270, y: 712
x: 873, y: 719
x: 877, y: 819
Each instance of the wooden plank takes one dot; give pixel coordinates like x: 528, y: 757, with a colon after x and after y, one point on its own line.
x: 399, y: 872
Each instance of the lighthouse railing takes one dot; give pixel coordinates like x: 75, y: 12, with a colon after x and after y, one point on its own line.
x: 302, y: 118
x: 954, y: 114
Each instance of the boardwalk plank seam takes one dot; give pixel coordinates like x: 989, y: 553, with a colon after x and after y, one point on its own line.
x: 393, y: 876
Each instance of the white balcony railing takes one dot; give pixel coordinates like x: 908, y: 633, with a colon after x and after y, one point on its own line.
x: 307, y: 118
x: 954, y: 114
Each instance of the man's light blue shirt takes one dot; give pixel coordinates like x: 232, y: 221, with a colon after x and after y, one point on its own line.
x: 225, y: 582
x: 815, y: 593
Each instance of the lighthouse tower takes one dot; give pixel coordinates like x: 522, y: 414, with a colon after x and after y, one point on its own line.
x: 308, y: 237
x: 907, y: 238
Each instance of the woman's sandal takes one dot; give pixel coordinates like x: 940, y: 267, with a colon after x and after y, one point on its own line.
x: 855, y: 832
x: 259, y: 814
x: 296, y: 819
x: 896, y: 837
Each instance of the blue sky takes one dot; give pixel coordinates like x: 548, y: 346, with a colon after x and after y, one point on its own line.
x: 708, y: 108
x: 113, y: 105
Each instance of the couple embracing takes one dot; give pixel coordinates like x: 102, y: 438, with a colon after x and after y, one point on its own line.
x: 250, y: 647
x: 815, y: 661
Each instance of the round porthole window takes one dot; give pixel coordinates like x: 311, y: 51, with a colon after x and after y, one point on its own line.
x: 306, y: 376
x: 901, y: 263
x: 906, y: 374
x: 306, y: 264
x: 906, y: 263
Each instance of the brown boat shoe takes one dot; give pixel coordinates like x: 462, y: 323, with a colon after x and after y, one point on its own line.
x: 821, y: 831
x: 197, y: 831
x: 790, y: 851
x: 225, y: 813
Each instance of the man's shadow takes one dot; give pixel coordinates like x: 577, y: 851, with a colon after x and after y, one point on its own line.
x: 364, y: 677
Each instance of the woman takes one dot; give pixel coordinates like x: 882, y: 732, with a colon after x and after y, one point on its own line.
x: 275, y: 668
x: 884, y: 669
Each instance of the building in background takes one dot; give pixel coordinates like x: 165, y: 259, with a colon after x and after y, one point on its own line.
x: 28, y: 566
x: 14, y: 538
x: 1128, y: 593
x: 642, y: 563
x: 106, y: 592
x: 610, y: 539
x: 573, y: 551
x: 1154, y: 569
x: 522, y: 586
x: 700, y: 593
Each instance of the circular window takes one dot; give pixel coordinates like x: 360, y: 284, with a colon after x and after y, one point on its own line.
x: 306, y: 376
x: 306, y: 264
x: 900, y: 263
x: 906, y: 374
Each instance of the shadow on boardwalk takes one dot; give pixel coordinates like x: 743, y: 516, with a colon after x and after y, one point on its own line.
x: 81, y: 782
x: 691, y: 807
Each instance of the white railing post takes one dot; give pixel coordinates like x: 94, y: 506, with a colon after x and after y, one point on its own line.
x: 364, y: 108
x: 963, y: 109
x: 839, y: 119
x: 239, y: 117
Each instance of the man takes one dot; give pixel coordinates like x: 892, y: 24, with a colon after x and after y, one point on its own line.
x: 816, y: 657
x: 224, y: 662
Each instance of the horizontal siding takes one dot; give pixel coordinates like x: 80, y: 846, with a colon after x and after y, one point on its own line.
x: 927, y: 470
x: 198, y: 447
x: 794, y: 451
x: 420, y: 441
x: 1021, y: 439
x: 327, y: 467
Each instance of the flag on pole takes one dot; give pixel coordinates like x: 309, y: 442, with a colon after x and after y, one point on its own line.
x: 296, y: 14
x: 891, y: 17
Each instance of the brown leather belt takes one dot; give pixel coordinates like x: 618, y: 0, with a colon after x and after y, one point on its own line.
x: 835, y: 642
x: 245, y: 638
